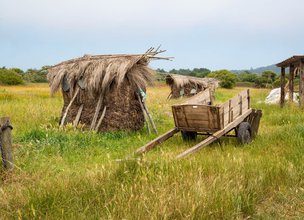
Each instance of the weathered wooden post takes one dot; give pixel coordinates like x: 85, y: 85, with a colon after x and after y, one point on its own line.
x: 6, y: 143
x: 301, y: 85
x: 291, y: 84
x: 282, y: 86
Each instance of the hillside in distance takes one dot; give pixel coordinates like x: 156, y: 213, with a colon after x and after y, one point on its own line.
x: 273, y: 68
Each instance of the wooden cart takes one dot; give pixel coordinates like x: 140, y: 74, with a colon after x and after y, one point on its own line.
x: 199, y: 117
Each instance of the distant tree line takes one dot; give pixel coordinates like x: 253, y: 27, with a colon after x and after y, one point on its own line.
x: 16, y: 76
x: 196, y: 72
x: 267, y: 79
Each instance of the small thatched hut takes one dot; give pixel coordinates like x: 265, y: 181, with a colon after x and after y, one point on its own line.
x: 188, y: 86
x: 103, y: 91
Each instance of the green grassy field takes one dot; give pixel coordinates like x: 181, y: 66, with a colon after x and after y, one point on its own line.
x: 72, y: 174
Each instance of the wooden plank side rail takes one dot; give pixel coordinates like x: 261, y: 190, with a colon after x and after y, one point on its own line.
x: 241, y: 104
x: 229, y: 114
x: 248, y: 98
x: 203, y: 97
x: 6, y: 143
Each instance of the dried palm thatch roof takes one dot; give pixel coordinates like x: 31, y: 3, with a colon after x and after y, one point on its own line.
x: 99, y: 72
x: 180, y: 81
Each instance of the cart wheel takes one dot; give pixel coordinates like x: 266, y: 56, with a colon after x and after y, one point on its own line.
x: 244, y: 133
x: 189, y: 135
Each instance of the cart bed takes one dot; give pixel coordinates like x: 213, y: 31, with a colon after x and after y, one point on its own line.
x: 209, y: 118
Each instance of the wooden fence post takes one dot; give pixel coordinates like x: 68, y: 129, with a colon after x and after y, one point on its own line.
x: 282, y: 99
x: 6, y: 143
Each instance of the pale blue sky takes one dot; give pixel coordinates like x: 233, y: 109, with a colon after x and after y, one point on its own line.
x: 216, y: 34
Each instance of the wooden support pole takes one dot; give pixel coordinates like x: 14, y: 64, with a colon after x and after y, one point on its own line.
x: 68, y: 107
x: 229, y: 112
x: 101, y: 118
x: 76, y: 121
x: 6, y: 143
x: 248, y: 97
x: 255, y: 121
x: 301, y: 86
x: 169, y: 96
x: 241, y: 104
x: 143, y: 111
x: 291, y: 84
x: 282, y: 100
x: 212, y: 96
x: 97, y: 110
x: 150, y: 117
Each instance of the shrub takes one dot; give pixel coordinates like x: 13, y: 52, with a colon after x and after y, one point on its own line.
x: 269, y: 75
x: 277, y: 82
x: 247, y: 77
x: 228, y: 79
x: 261, y: 82
x: 10, y: 77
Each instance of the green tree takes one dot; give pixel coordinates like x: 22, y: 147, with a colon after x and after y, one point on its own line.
x: 197, y: 72
x: 17, y: 70
x: 267, y: 78
x: 261, y: 82
x: 36, y: 76
x: 227, y: 78
x: 247, y: 76
x: 269, y: 75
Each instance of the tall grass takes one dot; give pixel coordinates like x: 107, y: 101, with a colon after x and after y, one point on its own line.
x: 72, y: 174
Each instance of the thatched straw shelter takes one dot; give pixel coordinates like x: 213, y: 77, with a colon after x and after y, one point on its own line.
x: 188, y: 86
x: 103, y: 91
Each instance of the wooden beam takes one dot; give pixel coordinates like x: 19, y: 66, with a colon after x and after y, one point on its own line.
x: 150, y: 117
x: 6, y: 143
x: 68, y: 107
x: 203, y: 97
x: 143, y: 111
x: 152, y: 144
x: 248, y: 97
x: 76, y: 121
x: 97, y: 110
x: 241, y: 104
x: 216, y: 135
x: 301, y: 86
x: 101, y: 118
x: 282, y: 100
x: 291, y: 84
x: 255, y: 122
x: 229, y: 112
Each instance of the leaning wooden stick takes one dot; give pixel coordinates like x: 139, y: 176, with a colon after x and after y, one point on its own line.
x: 68, y: 107
x: 169, y: 96
x: 150, y: 117
x: 98, y: 107
x: 75, y: 123
x: 101, y: 118
x: 143, y: 110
